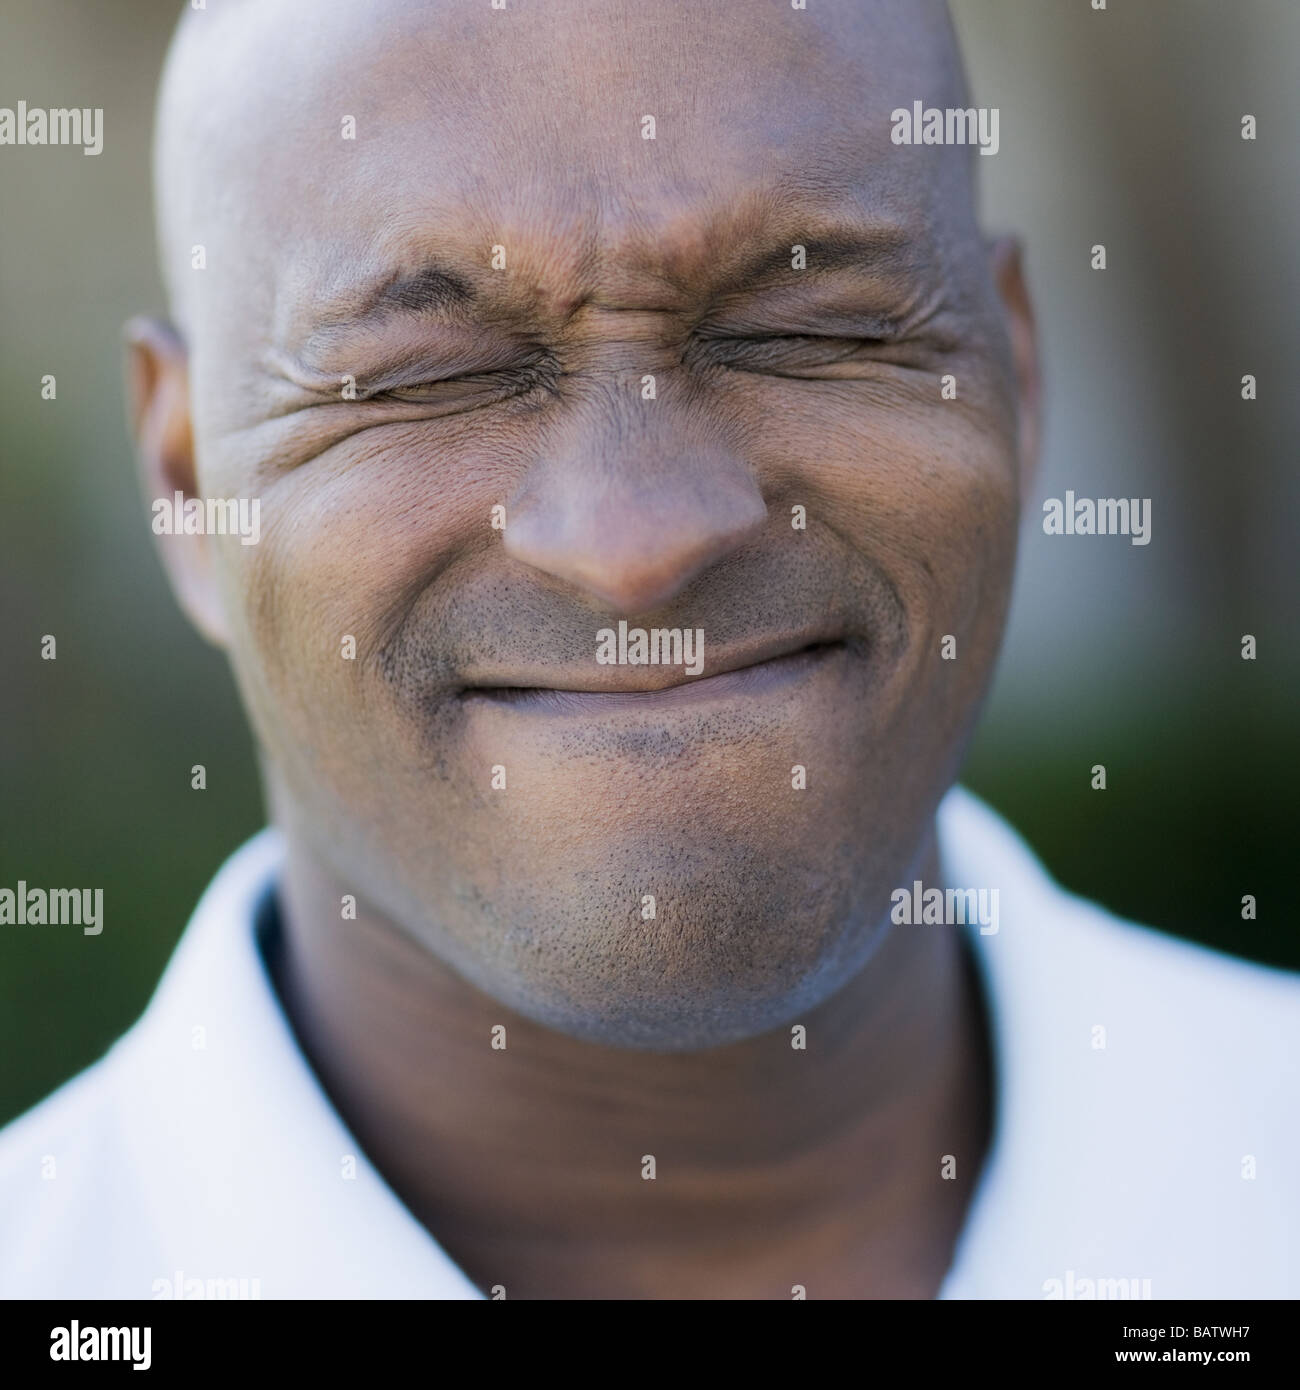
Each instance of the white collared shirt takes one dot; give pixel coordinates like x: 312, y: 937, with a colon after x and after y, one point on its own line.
x: 200, y: 1156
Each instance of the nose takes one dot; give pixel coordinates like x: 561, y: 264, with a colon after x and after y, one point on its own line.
x: 631, y: 502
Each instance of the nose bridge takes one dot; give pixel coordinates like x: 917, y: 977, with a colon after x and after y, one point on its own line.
x: 633, y: 496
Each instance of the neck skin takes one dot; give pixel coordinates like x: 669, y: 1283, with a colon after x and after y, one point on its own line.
x: 774, y: 1167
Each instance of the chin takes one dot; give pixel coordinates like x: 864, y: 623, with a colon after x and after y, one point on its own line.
x: 722, y: 960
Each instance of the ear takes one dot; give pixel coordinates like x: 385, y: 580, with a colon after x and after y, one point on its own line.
x: 158, y: 396
x: 1007, y: 266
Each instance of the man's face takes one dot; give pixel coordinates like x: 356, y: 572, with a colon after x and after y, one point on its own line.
x: 499, y: 260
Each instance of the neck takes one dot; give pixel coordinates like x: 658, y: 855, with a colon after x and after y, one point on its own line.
x: 773, y: 1166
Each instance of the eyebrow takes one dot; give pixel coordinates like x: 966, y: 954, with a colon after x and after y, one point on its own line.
x: 433, y: 289
x: 886, y: 248
x: 429, y: 290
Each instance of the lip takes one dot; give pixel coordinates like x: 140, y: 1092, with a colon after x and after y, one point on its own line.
x: 755, y: 678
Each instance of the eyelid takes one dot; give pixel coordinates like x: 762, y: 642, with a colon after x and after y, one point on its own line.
x: 716, y: 345
x: 522, y: 377
x: 803, y: 338
x: 400, y: 371
x: 829, y: 323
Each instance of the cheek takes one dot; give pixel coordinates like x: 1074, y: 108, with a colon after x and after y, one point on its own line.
x: 953, y: 519
x: 927, y: 488
x: 350, y: 540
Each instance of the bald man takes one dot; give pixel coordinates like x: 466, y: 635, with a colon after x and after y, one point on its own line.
x: 626, y: 583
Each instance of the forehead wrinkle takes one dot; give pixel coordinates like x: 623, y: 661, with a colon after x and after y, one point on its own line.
x: 851, y: 43
x: 749, y: 246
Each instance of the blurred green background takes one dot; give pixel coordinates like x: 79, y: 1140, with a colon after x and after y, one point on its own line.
x: 1121, y: 127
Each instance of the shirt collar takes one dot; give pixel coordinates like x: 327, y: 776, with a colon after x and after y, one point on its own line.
x: 979, y: 850
x: 289, y: 1197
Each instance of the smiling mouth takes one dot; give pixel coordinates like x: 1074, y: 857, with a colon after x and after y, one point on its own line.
x: 754, y: 679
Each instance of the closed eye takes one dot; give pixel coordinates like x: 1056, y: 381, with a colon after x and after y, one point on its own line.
x: 474, y: 387
x: 785, y: 354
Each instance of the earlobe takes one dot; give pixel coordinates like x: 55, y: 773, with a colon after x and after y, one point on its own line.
x: 1007, y: 265
x: 158, y: 400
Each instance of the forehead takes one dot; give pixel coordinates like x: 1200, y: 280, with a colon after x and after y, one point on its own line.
x: 343, y: 140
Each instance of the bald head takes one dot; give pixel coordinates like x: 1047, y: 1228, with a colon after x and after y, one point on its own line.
x: 277, y: 118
